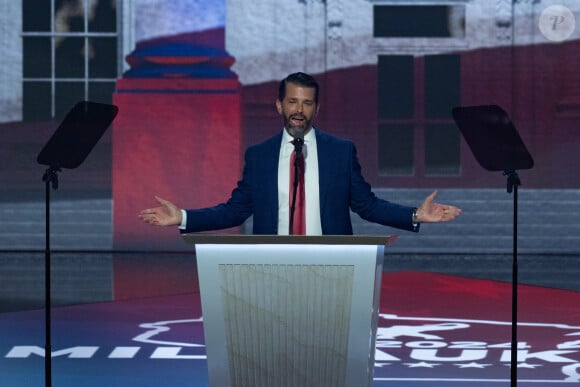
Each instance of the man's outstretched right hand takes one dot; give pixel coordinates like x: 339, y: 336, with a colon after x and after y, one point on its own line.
x: 166, y: 215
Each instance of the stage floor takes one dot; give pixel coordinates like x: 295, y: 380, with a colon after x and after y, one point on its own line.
x: 434, y: 330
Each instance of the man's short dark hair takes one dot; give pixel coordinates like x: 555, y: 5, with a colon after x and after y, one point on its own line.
x: 300, y: 79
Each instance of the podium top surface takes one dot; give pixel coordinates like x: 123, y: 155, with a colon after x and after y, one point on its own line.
x: 200, y: 238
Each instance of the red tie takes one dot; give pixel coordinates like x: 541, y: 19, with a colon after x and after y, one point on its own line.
x: 299, y: 223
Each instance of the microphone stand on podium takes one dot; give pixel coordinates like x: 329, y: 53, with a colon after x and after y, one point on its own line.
x: 68, y: 147
x: 497, y: 146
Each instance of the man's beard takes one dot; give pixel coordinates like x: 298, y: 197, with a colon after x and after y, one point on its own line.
x: 293, y: 129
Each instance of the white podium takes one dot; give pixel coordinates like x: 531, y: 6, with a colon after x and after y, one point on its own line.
x: 289, y: 310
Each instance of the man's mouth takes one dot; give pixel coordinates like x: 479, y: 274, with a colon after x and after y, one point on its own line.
x: 297, y: 120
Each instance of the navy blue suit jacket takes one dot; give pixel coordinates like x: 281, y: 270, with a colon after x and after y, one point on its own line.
x: 342, y: 188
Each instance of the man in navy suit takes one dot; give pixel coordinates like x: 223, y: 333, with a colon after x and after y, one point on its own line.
x: 334, y: 184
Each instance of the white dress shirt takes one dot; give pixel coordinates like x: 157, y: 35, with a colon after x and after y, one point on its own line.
x: 313, y: 224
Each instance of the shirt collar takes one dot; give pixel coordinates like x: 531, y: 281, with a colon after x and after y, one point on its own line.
x: 286, y: 138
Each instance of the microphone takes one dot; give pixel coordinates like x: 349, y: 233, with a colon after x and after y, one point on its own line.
x: 298, y: 143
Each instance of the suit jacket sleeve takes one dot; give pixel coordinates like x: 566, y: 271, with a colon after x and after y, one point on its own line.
x: 343, y: 188
x: 255, y: 194
x: 369, y: 207
x: 224, y: 215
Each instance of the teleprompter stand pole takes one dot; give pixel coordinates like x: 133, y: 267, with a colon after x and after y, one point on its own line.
x: 50, y: 179
x: 513, y: 182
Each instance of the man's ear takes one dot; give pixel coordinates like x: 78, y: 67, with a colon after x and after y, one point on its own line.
x: 279, y: 106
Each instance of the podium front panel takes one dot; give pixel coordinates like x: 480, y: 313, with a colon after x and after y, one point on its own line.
x: 289, y: 314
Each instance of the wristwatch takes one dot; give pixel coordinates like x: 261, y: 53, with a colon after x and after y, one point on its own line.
x: 415, y: 217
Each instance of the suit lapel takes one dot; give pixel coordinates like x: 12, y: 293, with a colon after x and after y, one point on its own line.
x: 324, y: 168
x: 271, y: 160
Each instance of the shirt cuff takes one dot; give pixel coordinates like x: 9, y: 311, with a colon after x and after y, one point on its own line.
x: 183, y: 224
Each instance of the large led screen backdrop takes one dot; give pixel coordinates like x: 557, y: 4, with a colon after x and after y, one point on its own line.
x: 196, y: 81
